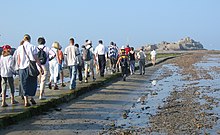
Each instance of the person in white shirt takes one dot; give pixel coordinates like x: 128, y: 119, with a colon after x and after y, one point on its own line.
x: 153, y: 56
x: 45, y: 64
x: 7, y: 71
x: 25, y: 53
x: 101, y: 53
x: 141, y: 56
x: 70, y: 57
x: 54, y: 66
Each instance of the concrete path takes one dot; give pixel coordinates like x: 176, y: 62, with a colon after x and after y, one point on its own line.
x: 89, y: 114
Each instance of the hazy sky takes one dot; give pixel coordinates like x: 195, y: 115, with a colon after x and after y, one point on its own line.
x: 136, y: 22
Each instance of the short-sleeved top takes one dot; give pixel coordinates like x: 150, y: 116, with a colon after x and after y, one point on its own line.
x: 31, y: 51
x: 101, y: 50
x: 112, y: 51
x: 141, y: 55
x: 6, y: 66
x: 55, y: 58
x: 127, y: 50
x: 70, y: 55
x: 153, y: 53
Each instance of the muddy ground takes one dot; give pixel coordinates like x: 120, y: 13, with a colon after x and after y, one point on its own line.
x: 180, y: 96
x: 185, y: 99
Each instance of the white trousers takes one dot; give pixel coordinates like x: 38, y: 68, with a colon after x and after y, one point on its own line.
x: 54, y: 71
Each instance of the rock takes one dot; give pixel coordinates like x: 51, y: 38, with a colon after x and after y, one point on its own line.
x: 147, y: 107
x: 58, y: 109
x: 197, y: 93
x: 154, y: 93
x: 125, y: 116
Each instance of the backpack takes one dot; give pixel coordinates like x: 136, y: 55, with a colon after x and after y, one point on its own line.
x: 87, y: 54
x: 124, y: 61
x: 42, y: 55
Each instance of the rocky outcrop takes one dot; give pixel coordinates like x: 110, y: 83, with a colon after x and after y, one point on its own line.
x: 183, y: 44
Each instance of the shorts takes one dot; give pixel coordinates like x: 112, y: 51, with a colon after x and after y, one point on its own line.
x: 60, y: 67
x: 89, y: 64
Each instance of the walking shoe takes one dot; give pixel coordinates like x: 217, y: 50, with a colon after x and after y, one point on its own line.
x: 124, y: 78
x: 27, y: 105
x: 22, y: 97
x: 56, y: 87
x: 63, y: 85
x: 42, y: 98
x: 86, y: 80
x: 93, y: 79
x: 33, y: 102
x: 80, y: 82
x: 14, y: 102
x: 50, y: 86
x: 4, y: 105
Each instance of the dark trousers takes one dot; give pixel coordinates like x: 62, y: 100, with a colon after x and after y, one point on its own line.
x: 28, y: 83
x: 124, y: 70
x: 113, y: 63
x: 79, y: 72
x: 102, y: 64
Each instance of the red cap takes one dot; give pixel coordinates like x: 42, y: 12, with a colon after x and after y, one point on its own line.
x: 6, y: 47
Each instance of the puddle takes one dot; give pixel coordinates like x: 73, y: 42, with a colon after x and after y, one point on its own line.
x: 156, y: 93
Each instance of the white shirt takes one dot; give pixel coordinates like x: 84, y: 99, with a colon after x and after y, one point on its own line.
x: 50, y: 53
x: 54, y: 60
x: 70, y: 55
x: 101, y: 50
x: 31, y: 50
x: 153, y: 53
x: 6, y: 65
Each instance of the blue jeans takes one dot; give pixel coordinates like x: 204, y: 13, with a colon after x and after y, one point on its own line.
x: 73, y: 73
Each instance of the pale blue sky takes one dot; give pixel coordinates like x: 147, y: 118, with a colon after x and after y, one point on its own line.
x: 135, y: 21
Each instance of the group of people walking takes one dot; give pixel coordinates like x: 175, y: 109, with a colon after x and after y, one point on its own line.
x: 28, y: 59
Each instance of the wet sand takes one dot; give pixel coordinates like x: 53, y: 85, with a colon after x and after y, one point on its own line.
x: 184, y: 99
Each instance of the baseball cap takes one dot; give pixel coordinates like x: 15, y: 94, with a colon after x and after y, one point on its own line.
x: 6, y: 47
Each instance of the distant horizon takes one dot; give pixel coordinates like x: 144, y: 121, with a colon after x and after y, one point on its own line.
x: 125, y: 22
x: 35, y: 43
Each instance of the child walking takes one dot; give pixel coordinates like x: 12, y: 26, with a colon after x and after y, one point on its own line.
x: 7, y: 70
x: 123, y: 60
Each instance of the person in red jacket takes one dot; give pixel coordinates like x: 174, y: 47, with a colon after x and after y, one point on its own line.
x: 127, y: 49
